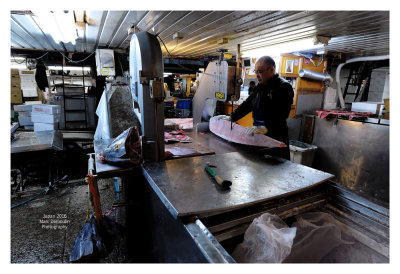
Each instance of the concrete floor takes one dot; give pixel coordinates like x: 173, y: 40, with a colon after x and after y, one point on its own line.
x: 32, y: 241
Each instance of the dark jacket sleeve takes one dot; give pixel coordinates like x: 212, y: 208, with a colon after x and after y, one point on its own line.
x: 284, y: 101
x: 245, y: 108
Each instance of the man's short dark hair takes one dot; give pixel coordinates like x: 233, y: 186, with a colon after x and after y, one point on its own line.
x: 266, y: 60
x: 252, y: 82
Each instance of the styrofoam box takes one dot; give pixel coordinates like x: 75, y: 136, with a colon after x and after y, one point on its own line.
x: 24, y: 113
x: 22, y: 108
x: 29, y: 92
x: 374, y: 107
x: 44, y: 126
x: 46, y: 109
x: 33, y: 103
x: 25, y: 121
x: 45, y: 118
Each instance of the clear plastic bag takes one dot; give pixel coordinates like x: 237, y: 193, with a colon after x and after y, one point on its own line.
x: 267, y: 240
x: 317, y: 235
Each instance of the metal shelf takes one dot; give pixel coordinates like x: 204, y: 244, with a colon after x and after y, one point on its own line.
x: 81, y: 97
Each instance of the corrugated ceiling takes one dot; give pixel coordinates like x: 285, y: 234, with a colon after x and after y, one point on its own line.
x: 354, y: 33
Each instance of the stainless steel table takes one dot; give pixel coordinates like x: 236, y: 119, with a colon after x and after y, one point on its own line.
x: 26, y: 141
x: 34, y: 142
x: 186, y: 188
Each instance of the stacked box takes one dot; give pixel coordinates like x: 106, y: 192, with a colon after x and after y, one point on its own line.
x: 16, y: 92
x: 45, y: 117
x: 28, y: 83
x: 24, y: 115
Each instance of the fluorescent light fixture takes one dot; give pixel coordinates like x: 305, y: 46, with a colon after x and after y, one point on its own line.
x: 298, y: 45
x: 68, y: 68
x: 18, y: 66
x: 60, y: 25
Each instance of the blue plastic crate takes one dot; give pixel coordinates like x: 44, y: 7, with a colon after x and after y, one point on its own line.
x: 183, y: 104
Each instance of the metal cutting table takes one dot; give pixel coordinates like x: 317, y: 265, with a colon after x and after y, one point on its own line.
x: 46, y: 143
x: 27, y: 141
x: 188, y: 190
x: 180, y: 194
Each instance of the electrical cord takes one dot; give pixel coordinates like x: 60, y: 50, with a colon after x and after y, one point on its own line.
x: 42, y: 56
x: 69, y: 60
x: 23, y: 61
x: 175, y: 45
x: 72, y: 61
x: 171, y: 55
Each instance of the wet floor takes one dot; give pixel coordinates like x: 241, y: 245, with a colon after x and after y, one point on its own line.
x: 44, y: 230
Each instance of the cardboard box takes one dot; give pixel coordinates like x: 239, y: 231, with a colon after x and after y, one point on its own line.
x: 45, y: 118
x: 387, y: 105
x: 16, y: 98
x: 16, y: 92
x: 14, y: 71
x: 46, y: 109
x: 386, y: 116
x: 26, y: 72
x: 15, y: 80
x: 16, y: 88
x: 44, y: 126
x: 25, y: 121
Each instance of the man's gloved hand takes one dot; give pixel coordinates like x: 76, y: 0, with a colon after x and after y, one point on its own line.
x: 224, y: 117
x: 256, y: 130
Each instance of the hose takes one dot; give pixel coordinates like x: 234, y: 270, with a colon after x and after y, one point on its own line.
x: 34, y: 197
x: 37, y: 195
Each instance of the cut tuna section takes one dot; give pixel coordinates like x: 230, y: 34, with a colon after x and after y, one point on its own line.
x: 222, y: 128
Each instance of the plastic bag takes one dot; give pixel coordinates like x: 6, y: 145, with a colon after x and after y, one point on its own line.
x: 88, y: 243
x: 267, y: 240
x: 125, y: 149
x: 103, y: 127
x: 317, y: 235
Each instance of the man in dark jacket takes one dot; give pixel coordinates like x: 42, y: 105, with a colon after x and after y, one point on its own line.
x: 270, y: 103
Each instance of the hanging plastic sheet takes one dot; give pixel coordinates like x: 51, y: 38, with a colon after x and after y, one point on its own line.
x: 103, y: 126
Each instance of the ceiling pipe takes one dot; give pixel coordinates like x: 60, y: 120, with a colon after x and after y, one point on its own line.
x: 358, y: 59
